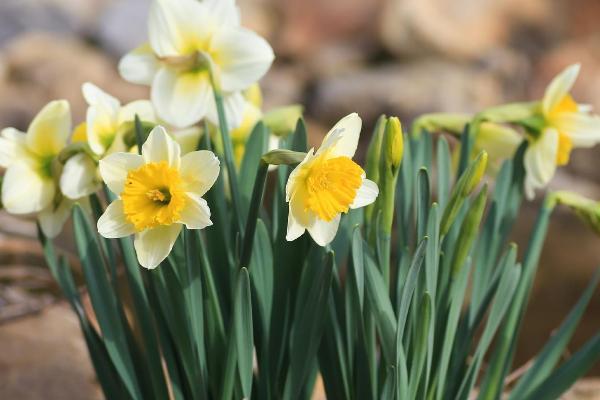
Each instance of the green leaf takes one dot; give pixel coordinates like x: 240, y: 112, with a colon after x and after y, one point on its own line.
x: 547, y: 359
x: 254, y: 148
x: 421, y: 345
x: 104, y: 302
x: 309, y: 319
x: 444, y: 171
x: 358, y: 266
x: 564, y: 377
x: 242, y: 330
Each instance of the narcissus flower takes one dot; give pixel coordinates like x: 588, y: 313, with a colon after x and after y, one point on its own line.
x: 328, y: 183
x: 190, y: 43
x: 159, y: 192
x: 566, y: 125
x: 29, y: 185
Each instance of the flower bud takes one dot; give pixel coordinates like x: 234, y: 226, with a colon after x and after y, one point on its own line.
x: 586, y: 209
x: 474, y: 173
x: 283, y: 157
x: 394, y: 142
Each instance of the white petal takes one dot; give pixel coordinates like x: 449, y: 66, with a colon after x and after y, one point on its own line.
x: 101, y: 117
x: 181, y: 99
x: 25, y: 190
x: 115, y: 167
x: 366, y: 194
x: 298, y: 218
x: 233, y: 103
x: 177, y: 27
x: 223, y: 13
x: 97, y: 97
x: 582, y: 129
x: 559, y: 87
x: 154, y: 245
x: 195, y: 214
x: 79, y: 177
x: 113, y: 224
x: 323, y: 232
x: 53, y: 219
x: 291, y: 187
x: 139, y: 66
x: 342, y: 139
x: 160, y: 147
x: 242, y: 56
x: 50, y: 129
x: 540, y: 160
x: 199, y: 171
x: 142, y: 108
x: 12, y: 146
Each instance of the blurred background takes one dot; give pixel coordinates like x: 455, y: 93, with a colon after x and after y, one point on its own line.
x: 399, y: 57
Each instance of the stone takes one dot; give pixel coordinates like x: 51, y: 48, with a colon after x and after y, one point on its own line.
x: 32, y: 77
x: 45, y: 357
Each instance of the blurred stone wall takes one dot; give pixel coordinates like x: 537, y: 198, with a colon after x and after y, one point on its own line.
x: 400, y: 57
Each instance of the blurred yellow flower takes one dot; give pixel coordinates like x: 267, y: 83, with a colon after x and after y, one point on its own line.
x: 159, y: 192
x: 567, y: 125
x: 328, y: 183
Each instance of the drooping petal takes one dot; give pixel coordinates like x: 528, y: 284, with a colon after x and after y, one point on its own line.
x: 291, y: 187
x: 115, y: 167
x: 233, y: 103
x: 242, y: 57
x: 12, y: 146
x: 50, y: 129
x: 142, y: 108
x: 177, y: 27
x: 113, y: 224
x: 323, y: 232
x: 195, y: 214
x: 140, y: 65
x: 154, y: 245
x: 298, y: 217
x: 160, y: 147
x: 559, y: 87
x: 366, y: 194
x: 342, y: 139
x: 25, y: 190
x: 79, y: 177
x: 52, y: 219
x: 199, y: 171
x: 582, y: 129
x: 540, y: 160
x: 181, y: 99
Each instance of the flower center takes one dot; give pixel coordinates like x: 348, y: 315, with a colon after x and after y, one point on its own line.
x: 332, y: 185
x: 565, y: 145
x: 153, y: 196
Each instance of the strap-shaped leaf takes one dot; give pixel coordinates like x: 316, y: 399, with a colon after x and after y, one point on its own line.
x: 242, y: 331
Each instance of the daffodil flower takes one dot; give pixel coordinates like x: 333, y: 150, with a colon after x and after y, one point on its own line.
x: 158, y: 192
x: 567, y: 125
x: 194, y: 45
x: 29, y: 185
x: 328, y: 183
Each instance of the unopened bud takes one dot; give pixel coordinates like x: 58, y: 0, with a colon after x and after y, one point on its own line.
x: 474, y: 173
x: 394, y: 142
x: 586, y: 209
x: 283, y: 157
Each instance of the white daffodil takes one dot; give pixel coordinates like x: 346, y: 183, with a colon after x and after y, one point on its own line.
x: 328, y: 183
x: 567, y: 125
x: 159, y: 192
x: 190, y: 41
x: 29, y: 185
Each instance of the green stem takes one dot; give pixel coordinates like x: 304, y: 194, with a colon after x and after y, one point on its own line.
x: 229, y: 160
x: 255, y: 203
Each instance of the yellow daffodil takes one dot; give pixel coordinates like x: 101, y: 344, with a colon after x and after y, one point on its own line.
x: 566, y: 125
x: 159, y: 192
x: 190, y: 43
x: 29, y: 185
x: 328, y: 183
